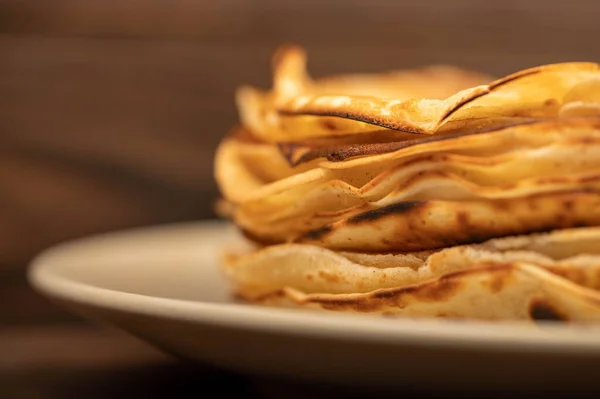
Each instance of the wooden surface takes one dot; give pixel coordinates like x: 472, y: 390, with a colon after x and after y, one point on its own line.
x: 87, y: 362
x: 110, y: 112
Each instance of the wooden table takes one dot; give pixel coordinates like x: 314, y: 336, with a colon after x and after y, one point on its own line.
x: 80, y: 361
x: 76, y: 360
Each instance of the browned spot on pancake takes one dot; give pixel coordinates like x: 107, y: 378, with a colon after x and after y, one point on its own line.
x: 568, y: 204
x: 503, y: 274
x: 361, y: 304
x: 552, y: 179
x: 581, y: 223
x: 564, y: 179
x: 328, y: 124
x: 437, y: 290
x: 595, y: 281
x: 316, y: 234
x: 503, y: 204
x: 310, y: 277
x: 584, y: 140
x: 243, y: 294
x: 329, y: 277
x: 551, y: 102
x: 387, y: 242
x: 385, y: 293
x: 589, y: 178
x: 532, y: 205
x: 540, y: 309
x: 561, y: 220
x: 462, y: 218
x: 397, y: 208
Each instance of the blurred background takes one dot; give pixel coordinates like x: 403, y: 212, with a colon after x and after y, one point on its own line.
x: 110, y: 110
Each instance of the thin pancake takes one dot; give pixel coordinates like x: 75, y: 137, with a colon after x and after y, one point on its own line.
x: 423, y: 225
x: 532, y: 93
x: 517, y: 291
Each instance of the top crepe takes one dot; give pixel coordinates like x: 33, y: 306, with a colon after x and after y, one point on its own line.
x: 425, y: 101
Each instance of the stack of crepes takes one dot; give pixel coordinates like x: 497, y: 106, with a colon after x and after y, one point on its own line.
x: 423, y: 192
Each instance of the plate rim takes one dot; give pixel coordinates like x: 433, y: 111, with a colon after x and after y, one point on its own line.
x: 463, y: 335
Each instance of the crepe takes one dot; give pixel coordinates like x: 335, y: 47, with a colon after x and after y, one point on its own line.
x: 540, y: 275
x: 433, y: 192
x: 415, y: 101
x: 264, y: 112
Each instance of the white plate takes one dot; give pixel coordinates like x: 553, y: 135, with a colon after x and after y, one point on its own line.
x: 163, y: 284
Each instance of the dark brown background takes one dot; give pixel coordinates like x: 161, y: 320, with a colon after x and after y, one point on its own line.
x: 110, y: 110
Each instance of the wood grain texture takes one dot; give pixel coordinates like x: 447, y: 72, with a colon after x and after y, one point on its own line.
x: 60, y: 362
x: 57, y: 362
x: 110, y: 110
